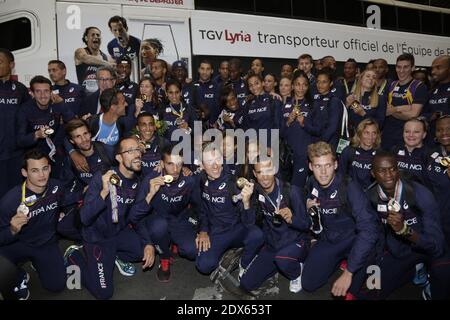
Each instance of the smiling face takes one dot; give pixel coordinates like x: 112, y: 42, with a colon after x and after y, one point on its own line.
x: 130, y: 156
x: 368, y: 80
x: 264, y: 173
x: 413, y: 134
x: 404, y: 69
x: 146, y: 127
x: 212, y: 163
x: 385, y: 172
x: 368, y: 137
x: 42, y: 94
x: 255, y: 85
x: 443, y: 132
x: 440, y: 69
x: 81, y: 138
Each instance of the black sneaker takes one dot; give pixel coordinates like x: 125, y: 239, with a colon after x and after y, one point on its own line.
x: 21, y: 290
x: 163, y: 273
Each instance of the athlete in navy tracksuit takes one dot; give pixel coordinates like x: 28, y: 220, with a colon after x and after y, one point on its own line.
x: 285, y: 232
x: 410, y: 234
x: 150, y: 142
x: 12, y: 95
x: 298, y: 137
x: 72, y: 93
x: 405, y: 100
x: 414, y: 162
x: 232, y: 114
x: 168, y: 211
x: 349, y: 227
x: 174, y: 110
x: 223, y: 224
x: 237, y: 83
x: 377, y: 113
x: 39, y: 115
x: 327, y: 117
x: 356, y: 159
x: 32, y: 236
x: 106, y: 232
x: 439, y: 175
x: 439, y: 97
x: 206, y: 92
x: 99, y: 158
x: 262, y: 111
x: 356, y: 162
x: 123, y: 44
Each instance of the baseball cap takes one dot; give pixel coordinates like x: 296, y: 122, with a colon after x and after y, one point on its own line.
x: 179, y: 64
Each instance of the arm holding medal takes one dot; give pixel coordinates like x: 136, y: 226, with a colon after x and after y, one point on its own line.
x: 94, y: 200
x: 397, y: 223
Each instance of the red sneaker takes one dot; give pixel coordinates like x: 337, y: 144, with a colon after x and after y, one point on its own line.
x: 163, y: 273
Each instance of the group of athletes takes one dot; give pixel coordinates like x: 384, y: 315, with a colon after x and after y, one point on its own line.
x: 352, y: 174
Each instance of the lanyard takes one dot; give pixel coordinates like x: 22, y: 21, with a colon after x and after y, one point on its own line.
x: 178, y: 114
x: 100, y: 123
x: 27, y: 201
x: 380, y: 91
x: 394, y: 202
x: 277, y: 206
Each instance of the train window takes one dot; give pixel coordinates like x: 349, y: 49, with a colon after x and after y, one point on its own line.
x: 446, y: 24
x: 228, y: 5
x: 431, y: 22
x: 278, y: 8
x: 10, y: 30
x: 311, y: 10
x: 408, y: 19
x: 352, y: 14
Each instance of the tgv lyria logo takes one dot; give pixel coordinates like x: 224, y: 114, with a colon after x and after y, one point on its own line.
x: 226, y: 35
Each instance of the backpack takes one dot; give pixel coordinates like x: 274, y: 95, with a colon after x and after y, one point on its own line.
x: 342, y: 191
x: 410, y: 91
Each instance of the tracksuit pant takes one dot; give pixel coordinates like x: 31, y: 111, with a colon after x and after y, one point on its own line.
x: 322, y: 261
x: 47, y: 259
x: 181, y: 233
x: 396, y: 272
x: 97, y: 265
x: 269, y: 261
x: 251, y: 238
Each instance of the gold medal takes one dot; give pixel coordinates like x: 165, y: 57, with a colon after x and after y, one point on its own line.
x: 168, y: 178
x: 393, y: 206
x: 49, y: 131
x: 445, y: 161
x: 241, y: 182
x: 115, y: 180
x: 355, y: 104
x: 144, y: 97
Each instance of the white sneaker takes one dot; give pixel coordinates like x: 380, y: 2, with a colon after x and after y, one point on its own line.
x: 241, y: 271
x: 295, y: 285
